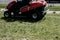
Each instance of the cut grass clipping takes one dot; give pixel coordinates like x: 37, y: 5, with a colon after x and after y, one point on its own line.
x: 46, y: 29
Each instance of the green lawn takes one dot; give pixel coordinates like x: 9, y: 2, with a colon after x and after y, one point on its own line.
x: 3, y: 5
x: 55, y: 8
x: 46, y: 29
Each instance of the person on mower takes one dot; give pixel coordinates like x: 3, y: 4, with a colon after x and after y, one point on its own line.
x: 24, y: 2
x: 21, y: 3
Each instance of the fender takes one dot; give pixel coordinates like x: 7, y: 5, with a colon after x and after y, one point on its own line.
x: 36, y: 4
x: 10, y: 4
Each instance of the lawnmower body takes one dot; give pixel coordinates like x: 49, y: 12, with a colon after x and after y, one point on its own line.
x: 34, y: 6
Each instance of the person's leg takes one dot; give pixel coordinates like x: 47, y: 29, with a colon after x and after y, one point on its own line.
x: 18, y: 5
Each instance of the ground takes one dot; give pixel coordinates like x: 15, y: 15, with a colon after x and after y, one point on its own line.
x: 3, y: 5
x: 54, y: 8
x: 46, y: 29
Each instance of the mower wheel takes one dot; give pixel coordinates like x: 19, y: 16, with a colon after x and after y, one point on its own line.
x: 37, y: 15
x: 34, y: 16
x: 7, y: 14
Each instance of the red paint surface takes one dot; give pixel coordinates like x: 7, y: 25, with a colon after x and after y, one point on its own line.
x: 33, y: 5
x: 10, y: 4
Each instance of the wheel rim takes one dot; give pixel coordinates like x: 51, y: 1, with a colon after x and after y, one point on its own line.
x: 34, y: 16
x: 6, y: 15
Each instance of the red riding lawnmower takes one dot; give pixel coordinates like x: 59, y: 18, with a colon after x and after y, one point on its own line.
x: 34, y: 9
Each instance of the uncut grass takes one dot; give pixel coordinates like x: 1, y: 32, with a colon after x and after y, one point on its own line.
x: 45, y: 29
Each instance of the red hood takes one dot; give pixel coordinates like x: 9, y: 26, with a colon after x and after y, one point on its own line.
x: 35, y: 4
x: 39, y: 2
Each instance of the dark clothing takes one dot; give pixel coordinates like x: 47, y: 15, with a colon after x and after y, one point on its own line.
x: 22, y: 3
x: 26, y: 2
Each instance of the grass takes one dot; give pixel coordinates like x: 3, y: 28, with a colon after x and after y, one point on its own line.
x: 46, y: 29
x: 55, y: 8
x: 3, y: 5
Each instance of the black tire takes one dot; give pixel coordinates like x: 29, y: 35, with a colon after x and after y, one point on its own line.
x: 37, y: 15
x: 34, y: 16
x: 7, y: 14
